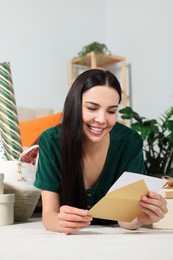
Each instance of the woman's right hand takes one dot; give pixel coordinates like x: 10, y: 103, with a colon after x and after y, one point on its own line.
x: 71, y: 219
x: 63, y: 219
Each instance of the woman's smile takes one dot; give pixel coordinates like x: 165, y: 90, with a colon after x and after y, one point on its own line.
x: 96, y: 130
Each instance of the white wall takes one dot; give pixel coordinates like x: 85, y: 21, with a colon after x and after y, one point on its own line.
x: 142, y: 31
x: 39, y: 37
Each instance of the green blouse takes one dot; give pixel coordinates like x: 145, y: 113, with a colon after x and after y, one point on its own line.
x: 125, y: 153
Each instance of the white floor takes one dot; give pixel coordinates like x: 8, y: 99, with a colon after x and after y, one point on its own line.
x: 30, y: 241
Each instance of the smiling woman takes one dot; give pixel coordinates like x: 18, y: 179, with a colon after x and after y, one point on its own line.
x: 82, y: 157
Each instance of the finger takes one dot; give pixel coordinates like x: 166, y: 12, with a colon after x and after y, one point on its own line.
x: 68, y: 230
x: 72, y: 210
x: 152, y: 215
x: 69, y: 227
x: 73, y: 218
x: 155, y: 200
x: 154, y: 195
x: 152, y: 209
x: 73, y: 214
x: 69, y: 224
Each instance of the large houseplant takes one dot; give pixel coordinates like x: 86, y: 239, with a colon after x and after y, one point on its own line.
x: 158, y: 140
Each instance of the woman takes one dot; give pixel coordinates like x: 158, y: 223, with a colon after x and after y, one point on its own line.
x: 81, y: 158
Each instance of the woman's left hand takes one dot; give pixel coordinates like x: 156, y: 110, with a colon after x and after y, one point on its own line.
x: 153, y: 208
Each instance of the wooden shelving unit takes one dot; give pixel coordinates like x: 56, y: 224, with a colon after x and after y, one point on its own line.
x: 104, y: 61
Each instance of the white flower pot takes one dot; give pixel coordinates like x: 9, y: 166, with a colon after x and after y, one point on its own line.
x: 7, y: 209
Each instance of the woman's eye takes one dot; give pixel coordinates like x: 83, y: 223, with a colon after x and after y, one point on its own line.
x: 111, y: 112
x: 91, y: 108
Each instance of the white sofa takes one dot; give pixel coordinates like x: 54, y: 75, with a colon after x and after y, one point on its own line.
x: 26, y: 113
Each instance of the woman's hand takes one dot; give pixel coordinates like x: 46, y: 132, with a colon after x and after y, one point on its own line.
x: 71, y: 219
x: 64, y: 219
x: 153, y: 208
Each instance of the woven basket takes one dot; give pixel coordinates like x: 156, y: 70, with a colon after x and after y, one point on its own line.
x: 18, y: 179
x: 26, y: 199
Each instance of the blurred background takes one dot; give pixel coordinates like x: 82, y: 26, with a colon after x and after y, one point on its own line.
x: 40, y: 37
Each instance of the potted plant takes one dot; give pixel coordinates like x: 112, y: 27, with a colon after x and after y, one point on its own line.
x: 158, y: 140
x: 99, y: 48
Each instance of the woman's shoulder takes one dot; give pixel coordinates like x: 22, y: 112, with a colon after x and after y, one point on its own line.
x: 120, y: 131
x: 52, y: 133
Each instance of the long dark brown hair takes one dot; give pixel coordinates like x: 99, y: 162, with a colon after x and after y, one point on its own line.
x: 73, y: 190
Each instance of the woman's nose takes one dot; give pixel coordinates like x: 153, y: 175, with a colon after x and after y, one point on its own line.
x: 100, y: 118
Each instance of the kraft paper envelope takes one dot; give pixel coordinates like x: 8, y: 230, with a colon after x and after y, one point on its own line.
x: 121, y: 204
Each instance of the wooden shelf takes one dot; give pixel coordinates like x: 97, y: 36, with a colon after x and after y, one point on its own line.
x: 101, y: 60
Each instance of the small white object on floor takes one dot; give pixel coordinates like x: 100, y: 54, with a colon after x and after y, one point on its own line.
x: 7, y: 209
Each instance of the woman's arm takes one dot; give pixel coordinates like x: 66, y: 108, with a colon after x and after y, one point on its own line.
x: 64, y: 219
x: 153, y: 208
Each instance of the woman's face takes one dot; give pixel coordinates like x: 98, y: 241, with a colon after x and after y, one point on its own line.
x: 99, y: 112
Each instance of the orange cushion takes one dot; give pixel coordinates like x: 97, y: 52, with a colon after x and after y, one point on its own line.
x: 30, y: 130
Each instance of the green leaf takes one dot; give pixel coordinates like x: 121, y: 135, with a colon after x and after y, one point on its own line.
x: 129, y: 113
